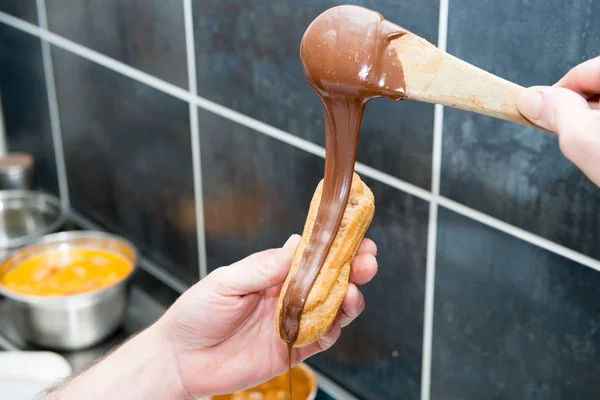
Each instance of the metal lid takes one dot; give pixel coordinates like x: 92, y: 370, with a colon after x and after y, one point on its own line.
x: 13, y: 162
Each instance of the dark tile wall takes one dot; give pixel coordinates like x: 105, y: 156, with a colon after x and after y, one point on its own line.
x: 511, y: 320
x: 512, y: 172
x: 24, y: 9
x: 247, y: 56
x: 25, y: 103
x: 250, y: 204
x: 146, y: 34
x: 128, y: 157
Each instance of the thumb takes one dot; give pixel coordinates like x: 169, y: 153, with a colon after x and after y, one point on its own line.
x: 570, y: 116
x: 258, y: 271
x: 553, y: 108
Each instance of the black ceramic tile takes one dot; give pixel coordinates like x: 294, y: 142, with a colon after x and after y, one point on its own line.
x: 247, y: 56
x: 515, y: 173
x: 25, y: 103
x: 512, y: 321
x: 256, y: 189
x: 256, y: 193
x: 128, y: 158
x: 24, y: 9
x: 148, y: 35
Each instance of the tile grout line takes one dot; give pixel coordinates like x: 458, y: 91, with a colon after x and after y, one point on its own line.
x: 101, y: 59
x: 308, y: 146
x: 59, y: 155
x: 436, y: 166
x: 205, y: 104
x: 195, y: 135
x: 519, y: 233
x: 333, y: 389
x: 20, y: 24
x: 288, y: 138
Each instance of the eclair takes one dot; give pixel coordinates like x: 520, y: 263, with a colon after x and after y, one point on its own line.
x: 331, y: 284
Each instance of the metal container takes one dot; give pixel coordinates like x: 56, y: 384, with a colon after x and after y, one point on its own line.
x: 26, y: 216
x: 272, y: 384
x: 75, y: 321
x: 16, y: 171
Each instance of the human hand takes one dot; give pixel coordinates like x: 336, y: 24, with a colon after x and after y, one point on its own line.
x: 222, y: 330
x: 571, y: 109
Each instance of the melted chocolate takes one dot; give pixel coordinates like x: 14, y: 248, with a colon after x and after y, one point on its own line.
x: 290, y: 370
x: 348, y: 60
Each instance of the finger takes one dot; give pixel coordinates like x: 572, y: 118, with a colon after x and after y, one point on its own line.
x: 583, y: 79
x: 324, y: 343
x: 329, y: 339
x: 363, y: 269
x: 257, y: 272
x: 259, y: 257
x: 568, y: 114
x: 367, y: 246
x: 580, y: 143
x: 553, y: 108
x: 352, y: 306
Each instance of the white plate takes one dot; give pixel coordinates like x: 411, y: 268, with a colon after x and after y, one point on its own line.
x: 23, y: 374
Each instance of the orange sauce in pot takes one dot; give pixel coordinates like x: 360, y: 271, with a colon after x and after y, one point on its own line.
x: 277, y: 388
x: 75, y: 270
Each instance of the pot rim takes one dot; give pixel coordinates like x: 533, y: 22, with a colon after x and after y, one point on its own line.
x: 58, y: 239
x: 38, y: 196
x: 313, y: 377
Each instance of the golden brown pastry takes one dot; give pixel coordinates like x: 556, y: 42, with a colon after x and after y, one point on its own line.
x: 330, y: 287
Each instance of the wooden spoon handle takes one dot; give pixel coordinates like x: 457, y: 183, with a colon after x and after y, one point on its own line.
x: 434, y: 76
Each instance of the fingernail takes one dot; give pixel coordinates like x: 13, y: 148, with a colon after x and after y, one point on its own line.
x: 290, y: 240
x: 530, y: 104
x: 287, y: 252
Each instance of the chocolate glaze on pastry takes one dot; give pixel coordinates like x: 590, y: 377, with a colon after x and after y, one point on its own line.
x: 348, y: 60
x: 329, y: 289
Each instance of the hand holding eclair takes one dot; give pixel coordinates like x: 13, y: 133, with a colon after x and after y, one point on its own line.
x: 220, y: 329
x: 226, y: 320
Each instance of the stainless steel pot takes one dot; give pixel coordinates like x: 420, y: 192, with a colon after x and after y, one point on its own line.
x: 27, y: 215
x: 16, y: 171
x: 73, y: 321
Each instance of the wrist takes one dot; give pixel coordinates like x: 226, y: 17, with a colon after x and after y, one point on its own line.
x: 157, y: 364
x: 143, y: 367
x: 187, y: 364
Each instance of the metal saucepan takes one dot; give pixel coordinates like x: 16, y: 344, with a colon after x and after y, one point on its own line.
x: 75, y: 321
x: 278, y: 384
x: 16, y: 171
x: 26, y: 215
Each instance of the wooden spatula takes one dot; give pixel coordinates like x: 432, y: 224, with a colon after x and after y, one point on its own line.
x: 434, y: 76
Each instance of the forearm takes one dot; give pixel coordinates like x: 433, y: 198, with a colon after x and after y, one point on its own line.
x: 142, y: 368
